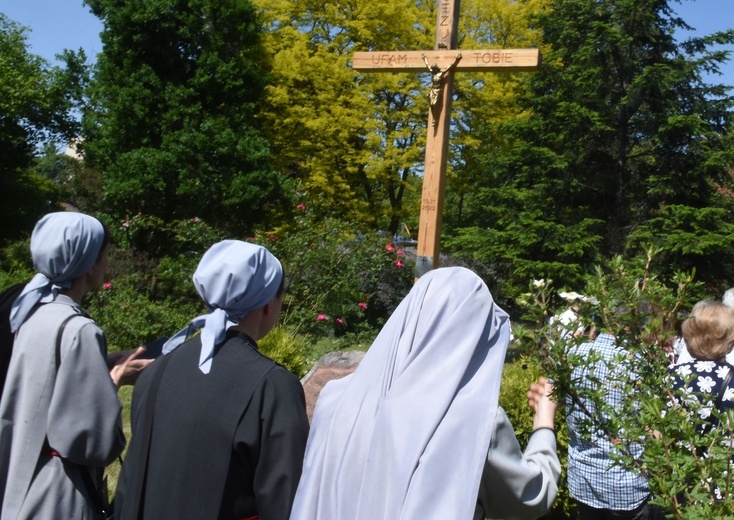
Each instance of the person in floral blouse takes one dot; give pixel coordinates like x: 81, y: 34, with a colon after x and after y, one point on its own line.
x: 706, y: 382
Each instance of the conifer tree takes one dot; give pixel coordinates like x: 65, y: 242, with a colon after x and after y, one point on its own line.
x: 625, y: 145
x: 172, y: 123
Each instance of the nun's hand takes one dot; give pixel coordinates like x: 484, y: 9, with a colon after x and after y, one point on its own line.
x: 539, y: 399
x: 127, y: 366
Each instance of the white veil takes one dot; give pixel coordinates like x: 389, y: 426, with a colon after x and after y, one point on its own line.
x: 407, y: 434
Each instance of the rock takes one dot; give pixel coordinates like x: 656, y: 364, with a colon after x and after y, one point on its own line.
x: 333, y: 365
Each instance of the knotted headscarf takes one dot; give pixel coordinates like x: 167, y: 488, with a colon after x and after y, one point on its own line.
x: 64, y: 246
x: 233, y: 278
x: 407, y: 434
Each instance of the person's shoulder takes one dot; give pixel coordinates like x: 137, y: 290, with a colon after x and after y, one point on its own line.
x: 280, y: 373
x: 280, y: 380
x: 58, y: 313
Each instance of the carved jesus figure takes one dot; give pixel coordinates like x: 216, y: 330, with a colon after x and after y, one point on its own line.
x: 437, y: 75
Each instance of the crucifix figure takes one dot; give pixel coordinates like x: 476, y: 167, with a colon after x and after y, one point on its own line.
x: 437, y: 75
x: 441, y: 62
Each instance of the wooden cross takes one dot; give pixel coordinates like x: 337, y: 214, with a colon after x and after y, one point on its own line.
x: 441, y: 62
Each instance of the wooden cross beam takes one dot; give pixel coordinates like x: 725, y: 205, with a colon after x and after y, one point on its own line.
x: 492, y: 60
x: 440, y: 63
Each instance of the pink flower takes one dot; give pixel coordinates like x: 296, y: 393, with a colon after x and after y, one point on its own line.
x: 362, y: 305
x: 195, y: 220
x: 126, y: 224
x: 340, y: 321
x: 250, y: 239
x: 390, y: 247
x: 107, y: 285
x: 321, y: 317
x: 399, y: 263
x: 400, y: 252
x: 302, y: 207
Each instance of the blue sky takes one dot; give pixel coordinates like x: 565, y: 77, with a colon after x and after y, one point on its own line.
x: 67, y: 24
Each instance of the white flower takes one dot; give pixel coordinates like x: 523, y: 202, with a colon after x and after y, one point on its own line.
x: 539, y: 284
x: 718, y: 493
x: 706, y: 384
x: 728, y: 395
x: 704, y: 366
x: 570, y: 296
x: 721, y: 371
x: 704, y: 413
x: 684, y: 370
x: 688, y: 397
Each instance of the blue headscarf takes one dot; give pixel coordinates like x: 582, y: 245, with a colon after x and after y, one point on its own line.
x: 233, y: 278
x: 64, y: 246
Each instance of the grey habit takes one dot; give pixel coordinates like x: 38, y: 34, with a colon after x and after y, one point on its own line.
x: 76, y: 409
x: 515, y: 484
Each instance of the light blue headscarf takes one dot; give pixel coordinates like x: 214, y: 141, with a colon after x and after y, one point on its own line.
x: 64, y: 246
x: 233, y: 278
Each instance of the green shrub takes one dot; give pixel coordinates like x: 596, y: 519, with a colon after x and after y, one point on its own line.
x: 285, y: 348
x: 130, y: 318
x: 155, y: 238
x: 639, y: 307
x: 339, y: 280
x: 16, y: 265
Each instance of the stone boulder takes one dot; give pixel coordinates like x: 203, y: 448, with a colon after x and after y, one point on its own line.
x: 333, y: 365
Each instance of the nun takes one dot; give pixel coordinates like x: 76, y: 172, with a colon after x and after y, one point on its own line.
x: 219, y: 429
x: 416, y: 431
x: 60, y: 414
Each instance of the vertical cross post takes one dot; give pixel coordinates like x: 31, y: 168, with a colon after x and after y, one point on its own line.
x: 437, y: 147
x: 441, y: 62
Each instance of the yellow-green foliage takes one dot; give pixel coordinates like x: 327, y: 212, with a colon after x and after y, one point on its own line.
x: 286, y: 349
x: 355, y: 140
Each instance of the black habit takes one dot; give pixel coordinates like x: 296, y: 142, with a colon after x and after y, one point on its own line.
x: 227, y: 445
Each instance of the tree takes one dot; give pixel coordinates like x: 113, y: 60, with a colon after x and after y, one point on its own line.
x: 351, y: 141
x: 172, y: 118
x: 35, y: 106
x: 78, y: 184
x: 356, y: 141
x: 623, y: 138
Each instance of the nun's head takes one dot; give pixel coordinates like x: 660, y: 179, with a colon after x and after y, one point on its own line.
x: 67, y: 245
x: 238, y: 278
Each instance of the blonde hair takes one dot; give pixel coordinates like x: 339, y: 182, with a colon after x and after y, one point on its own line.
x: 709, y: 332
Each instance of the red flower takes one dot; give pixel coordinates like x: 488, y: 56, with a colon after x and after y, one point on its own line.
x: 321, y: 317
x: 340, y: 321
x: 302, y: 207
x: 400, y: 252
x: 390, y: 247
x: 126, y: 224
x: 107, y: 285
x: 399, y: 263
x: 362, y: 305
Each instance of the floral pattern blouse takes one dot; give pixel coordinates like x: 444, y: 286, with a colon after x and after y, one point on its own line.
x: 696, y: 387
x: 700, y: 382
